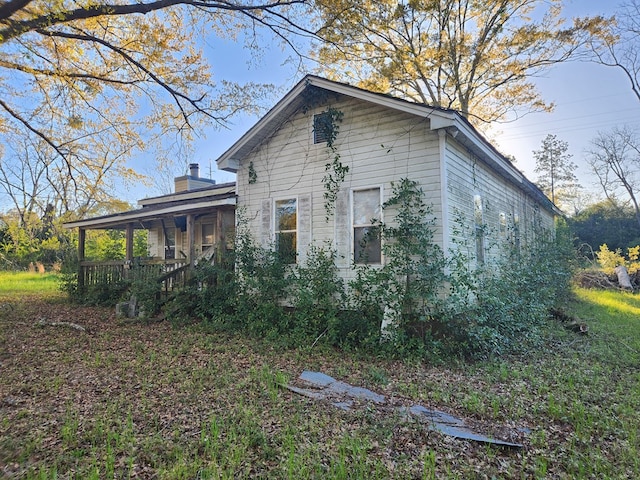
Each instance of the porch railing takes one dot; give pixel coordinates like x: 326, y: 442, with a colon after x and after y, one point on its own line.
x: 170, y: 273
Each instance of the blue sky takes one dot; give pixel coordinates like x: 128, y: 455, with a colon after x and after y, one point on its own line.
x: 589, y: 98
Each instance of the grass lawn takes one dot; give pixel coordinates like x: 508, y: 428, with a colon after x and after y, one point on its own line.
x: 135, y: 400
x: 28, y: 283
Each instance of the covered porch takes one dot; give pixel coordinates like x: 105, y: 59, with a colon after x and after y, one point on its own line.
x: 183, y: 228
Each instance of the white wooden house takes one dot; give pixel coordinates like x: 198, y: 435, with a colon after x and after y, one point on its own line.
x: 281, y: 162
x: 479, y: 197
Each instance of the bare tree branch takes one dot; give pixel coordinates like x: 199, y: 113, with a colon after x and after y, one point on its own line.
x: 40, y: 134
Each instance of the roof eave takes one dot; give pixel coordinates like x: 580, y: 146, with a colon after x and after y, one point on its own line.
x: 467, y: 135
x: 144, y: 214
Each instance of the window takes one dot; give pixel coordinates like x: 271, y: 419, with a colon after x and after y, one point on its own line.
x: 207, y: 236
x: 321, y: 127
x: 479, y: 227
x: 503, y: 224
x: 367, y: 247
x: 286, y: 229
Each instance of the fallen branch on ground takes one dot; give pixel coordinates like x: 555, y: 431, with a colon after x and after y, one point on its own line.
x: 570, y: 322
x: 43, y: 323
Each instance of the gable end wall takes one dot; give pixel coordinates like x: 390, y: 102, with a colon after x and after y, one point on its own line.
x: 379, y: 146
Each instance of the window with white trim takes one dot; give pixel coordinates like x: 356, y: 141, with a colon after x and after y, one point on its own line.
x: 503, y: 224
x: 516, y: 231
x: 367, y: 246
x: 286, y: 229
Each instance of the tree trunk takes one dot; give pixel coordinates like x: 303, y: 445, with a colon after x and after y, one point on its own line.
x: 623, y: 277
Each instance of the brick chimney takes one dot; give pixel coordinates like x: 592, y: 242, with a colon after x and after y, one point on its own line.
x: 192, y: 181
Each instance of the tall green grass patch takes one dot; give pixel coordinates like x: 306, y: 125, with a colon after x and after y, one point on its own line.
x: 28, y: 283
x: 614, y: 319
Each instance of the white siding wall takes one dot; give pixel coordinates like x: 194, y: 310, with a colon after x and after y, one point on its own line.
x: 378, y: 145
x: 467, y: 177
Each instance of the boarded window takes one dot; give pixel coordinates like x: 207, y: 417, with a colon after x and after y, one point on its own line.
x: 367, y: 247
x: 322, y: 125
x: 286, y: 231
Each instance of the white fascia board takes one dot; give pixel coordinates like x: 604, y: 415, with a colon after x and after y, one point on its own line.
x: 228, y: 160
x: 376, y: 98
x: 228, y: 164
x: 142, y: 214
x: 438, y: 118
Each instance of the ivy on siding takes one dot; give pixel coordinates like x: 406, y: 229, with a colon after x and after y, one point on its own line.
x: 253, y: 176
x: 335, y: 170
x: 328, y: 121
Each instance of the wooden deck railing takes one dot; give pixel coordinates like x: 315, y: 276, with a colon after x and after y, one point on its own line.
x: 170, y: 273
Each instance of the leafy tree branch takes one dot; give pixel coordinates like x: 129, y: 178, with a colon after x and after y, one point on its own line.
x: 95, y: 83
x: 15, y: 28
x: 464, y: 55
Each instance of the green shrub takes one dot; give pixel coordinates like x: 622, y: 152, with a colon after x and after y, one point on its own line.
x: 210, y: 296
x: 437, y: 306
x: 502, y: 308
x: 317, y: 295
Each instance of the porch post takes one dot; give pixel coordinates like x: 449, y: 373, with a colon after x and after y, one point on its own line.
x: 219, y: 248
x: 129, y: 243
x: 128, y: 250
x: 82, y: 236
x: 191, y: 240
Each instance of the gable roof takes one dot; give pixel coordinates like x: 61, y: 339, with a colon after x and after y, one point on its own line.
x: 439, y: 118
x: 295, y: 99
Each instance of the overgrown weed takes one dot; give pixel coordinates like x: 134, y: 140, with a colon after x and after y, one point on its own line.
x: 175, y: 403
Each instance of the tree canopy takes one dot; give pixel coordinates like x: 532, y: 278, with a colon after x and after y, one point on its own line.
x: 475, y: 56
x: 84, y: 85
x: 609, y: 222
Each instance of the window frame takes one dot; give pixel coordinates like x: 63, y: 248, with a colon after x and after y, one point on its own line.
x: 169, y: 241
x: 356, y: 259
x: 502, y: 225
x: 277, y: 231
x: 516, y: 231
